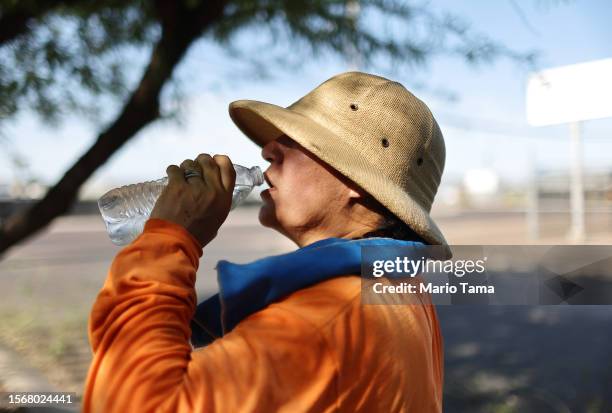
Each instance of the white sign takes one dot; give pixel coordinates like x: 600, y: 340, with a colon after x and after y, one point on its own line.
x: 570, y: 93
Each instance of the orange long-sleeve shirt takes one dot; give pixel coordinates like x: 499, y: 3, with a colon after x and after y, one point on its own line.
x: 317, y: 350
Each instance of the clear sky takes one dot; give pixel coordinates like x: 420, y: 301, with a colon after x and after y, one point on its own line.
x: 486, y: 127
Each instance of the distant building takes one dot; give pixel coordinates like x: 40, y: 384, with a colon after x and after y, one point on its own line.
x: 5, y: 191
x: 481, y: 187
x: 32, y: 189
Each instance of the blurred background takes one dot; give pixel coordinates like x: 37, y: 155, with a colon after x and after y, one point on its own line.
x: 94, y: 95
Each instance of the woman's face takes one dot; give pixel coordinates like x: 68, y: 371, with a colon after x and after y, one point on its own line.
x: 307, y: 199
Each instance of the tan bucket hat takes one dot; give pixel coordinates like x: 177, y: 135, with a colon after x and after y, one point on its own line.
x: 371, y: 130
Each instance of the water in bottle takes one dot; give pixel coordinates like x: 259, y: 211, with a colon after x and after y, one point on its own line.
x: 126, y: 209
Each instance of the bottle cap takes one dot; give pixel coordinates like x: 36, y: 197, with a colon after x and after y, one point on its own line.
x: 258, y: 178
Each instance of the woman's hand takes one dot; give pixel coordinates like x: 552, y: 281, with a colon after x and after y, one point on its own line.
x: 199, y: 203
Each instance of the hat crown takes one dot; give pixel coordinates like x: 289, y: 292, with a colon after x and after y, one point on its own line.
x: 387, y: 124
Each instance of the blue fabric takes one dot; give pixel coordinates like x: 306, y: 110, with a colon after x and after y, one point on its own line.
x: 247, y: 288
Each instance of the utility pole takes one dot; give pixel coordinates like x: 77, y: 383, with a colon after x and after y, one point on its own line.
x: 577, y: 230
x: 533, y: 225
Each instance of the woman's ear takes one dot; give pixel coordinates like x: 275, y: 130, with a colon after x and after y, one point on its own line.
x: 354, y: 194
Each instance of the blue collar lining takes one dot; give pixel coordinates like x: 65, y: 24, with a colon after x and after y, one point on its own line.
x: 247, y: 288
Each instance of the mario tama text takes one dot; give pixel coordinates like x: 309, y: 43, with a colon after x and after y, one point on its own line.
x: 420, y: 275
x: 431, y: 288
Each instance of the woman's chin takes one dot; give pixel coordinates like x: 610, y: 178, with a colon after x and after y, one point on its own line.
x: 267, y: 214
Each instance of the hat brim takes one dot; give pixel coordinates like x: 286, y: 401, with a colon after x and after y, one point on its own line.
x: 264, y: 122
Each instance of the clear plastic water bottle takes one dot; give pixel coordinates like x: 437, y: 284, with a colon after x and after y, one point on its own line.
x: 126, y: 209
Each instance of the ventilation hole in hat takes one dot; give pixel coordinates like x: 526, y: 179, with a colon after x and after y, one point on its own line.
x: 419, y: 161
x: 354, y: 106
x: 385, y: 142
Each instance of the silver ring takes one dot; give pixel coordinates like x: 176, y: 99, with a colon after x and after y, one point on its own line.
x: 190, y: 173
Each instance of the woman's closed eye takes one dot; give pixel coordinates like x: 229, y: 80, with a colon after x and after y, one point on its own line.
x: 287, y: 141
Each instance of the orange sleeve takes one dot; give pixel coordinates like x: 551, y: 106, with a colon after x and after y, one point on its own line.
x: 142, y: 359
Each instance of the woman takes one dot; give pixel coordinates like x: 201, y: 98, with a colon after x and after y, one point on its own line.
x: 355, y: 162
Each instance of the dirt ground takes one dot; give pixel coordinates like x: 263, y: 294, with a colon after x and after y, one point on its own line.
x: 500, y: 359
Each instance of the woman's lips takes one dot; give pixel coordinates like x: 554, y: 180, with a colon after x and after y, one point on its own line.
x: 267, y: 179
x: 266, y: 192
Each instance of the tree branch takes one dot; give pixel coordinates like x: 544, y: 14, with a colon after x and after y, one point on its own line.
x: 180, y: 27
x: 12, y: 25
x: 15, y: 22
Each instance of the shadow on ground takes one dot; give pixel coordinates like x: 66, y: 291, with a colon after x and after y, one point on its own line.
x: 527, y: 358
